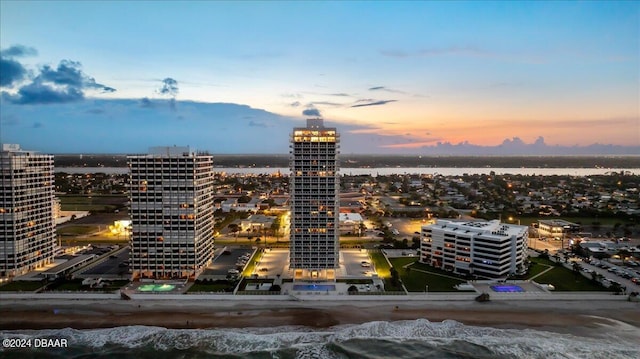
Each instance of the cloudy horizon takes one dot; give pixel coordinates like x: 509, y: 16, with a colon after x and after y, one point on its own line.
x: 409, y: 77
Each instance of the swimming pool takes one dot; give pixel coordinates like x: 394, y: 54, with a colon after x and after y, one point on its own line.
x: 156, y: 287
x: 507, y: 288
x: 318, y: 287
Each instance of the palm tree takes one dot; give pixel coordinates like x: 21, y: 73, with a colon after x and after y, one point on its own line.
x: 361, y: 229
x: 576, y: 269
x: 544, y: 255
x: 615, y: 287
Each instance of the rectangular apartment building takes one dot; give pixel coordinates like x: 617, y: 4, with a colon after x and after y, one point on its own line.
x: 27, y: 227
x: 484, y: 249
x: 172, y: 209
x: 314, y: 190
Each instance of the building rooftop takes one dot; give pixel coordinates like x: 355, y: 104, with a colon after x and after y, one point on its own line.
x: 557, y: 222
x: 355, y: 217
x: 493, y: 227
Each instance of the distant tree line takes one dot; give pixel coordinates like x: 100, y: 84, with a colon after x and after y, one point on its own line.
x: 355, y: 161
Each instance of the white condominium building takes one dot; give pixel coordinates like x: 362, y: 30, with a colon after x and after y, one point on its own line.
x: 484, y: 249
x: 171, y: 193
x: 27, y: 228
x: 314, y: 189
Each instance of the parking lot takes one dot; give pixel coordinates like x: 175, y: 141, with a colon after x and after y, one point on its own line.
x: 114, y: 266
x: 226, y: 261
x: 273, y: 262
x: 276, y: 262
x: 613, y: 273
x: 407, y: 227
x: 352, y: 263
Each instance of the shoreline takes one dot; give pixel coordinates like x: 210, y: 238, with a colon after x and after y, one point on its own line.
x: 573, y: 317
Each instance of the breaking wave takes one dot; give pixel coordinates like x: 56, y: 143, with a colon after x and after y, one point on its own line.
x: 403, y: 339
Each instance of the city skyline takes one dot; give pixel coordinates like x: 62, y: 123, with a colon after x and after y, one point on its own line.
x: 394, y: 77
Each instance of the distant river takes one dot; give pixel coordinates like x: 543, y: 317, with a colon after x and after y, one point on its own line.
x: 383, y: 171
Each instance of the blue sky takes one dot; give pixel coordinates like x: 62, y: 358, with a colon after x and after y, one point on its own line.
x: 410, y: 73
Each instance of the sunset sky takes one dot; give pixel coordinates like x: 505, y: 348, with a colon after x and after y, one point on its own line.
x: 422, y: 72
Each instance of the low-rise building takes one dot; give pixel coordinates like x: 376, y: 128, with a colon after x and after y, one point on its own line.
x: 350, y: 223
x: 256, y: 223
x: 484, y: 249
x: 556, y: 227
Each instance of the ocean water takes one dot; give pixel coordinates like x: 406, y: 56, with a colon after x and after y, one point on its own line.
x: 402, y: 339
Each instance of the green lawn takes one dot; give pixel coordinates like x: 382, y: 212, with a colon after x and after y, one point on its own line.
x: 380, y: 264
x: 542, y: 261
x: 217, y: 286
x: 564, y: 279
x: 21, y: 286
x: 430, y: 269
x: 398, y: 263
x: 535, y: 269
x: 77, y: 230
x: 537, y: 266
x: 383, y: 270
x: 252, y: 264
x: 76, y: 285
x: 415, y: 280
x: 91, y: 203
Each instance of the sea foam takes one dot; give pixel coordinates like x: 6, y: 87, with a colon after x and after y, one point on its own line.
x: 305, y: 342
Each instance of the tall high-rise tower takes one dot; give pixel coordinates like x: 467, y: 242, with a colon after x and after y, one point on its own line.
x: 171, y: 212
x: 314, y: 188
x: 27, y: 227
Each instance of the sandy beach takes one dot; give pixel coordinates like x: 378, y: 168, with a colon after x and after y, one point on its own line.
x: 577, y: 317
